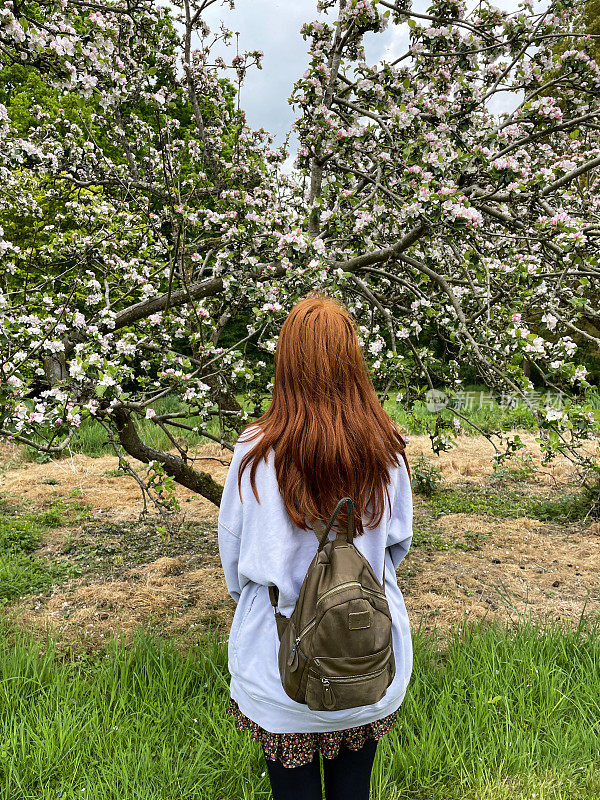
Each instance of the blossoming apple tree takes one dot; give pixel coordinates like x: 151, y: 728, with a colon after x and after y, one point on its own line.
x: 141, y: 217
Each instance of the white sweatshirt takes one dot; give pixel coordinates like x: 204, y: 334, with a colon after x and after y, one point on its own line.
x: 259, y: 546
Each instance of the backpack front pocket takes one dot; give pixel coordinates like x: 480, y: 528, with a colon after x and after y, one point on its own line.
x: 337, y: 683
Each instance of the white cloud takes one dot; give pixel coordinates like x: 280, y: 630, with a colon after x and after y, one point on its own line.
x: 273, y: 26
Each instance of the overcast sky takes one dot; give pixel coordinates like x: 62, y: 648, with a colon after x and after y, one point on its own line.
x: 273, y: 26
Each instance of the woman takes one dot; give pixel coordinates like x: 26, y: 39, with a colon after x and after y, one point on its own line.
x: 324, y: 437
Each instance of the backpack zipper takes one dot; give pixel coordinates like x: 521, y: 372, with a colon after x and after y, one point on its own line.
x: 338, y: 588
x: 328, y: 695
x: 348, y: 678
x: 296, y: 642
x: 373, y: 591
x: 306, y: 628
x: 350, y: 583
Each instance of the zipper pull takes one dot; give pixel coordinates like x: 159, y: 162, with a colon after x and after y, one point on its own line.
x: 294, y: 653
x: 328, y: 698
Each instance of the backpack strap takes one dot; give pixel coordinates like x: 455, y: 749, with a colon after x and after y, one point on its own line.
x: 322, y: 534
x: 280, y: 620
x: 319, y: 529
x: 350, y: 530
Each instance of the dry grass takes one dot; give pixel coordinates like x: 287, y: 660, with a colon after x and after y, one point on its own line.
x: 522, y: 565
x: 471, y: 460
x: 162, y: 593
x: 117, y: 497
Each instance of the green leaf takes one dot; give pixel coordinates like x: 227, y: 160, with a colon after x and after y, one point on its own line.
x: 496, y: 699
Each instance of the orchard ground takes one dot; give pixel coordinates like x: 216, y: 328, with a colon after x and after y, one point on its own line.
x: 480, y: 549
x: 127, y: 696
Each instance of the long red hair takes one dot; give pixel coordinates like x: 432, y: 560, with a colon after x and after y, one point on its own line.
x: 330, y: 434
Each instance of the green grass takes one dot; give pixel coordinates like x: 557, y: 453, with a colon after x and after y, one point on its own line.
x: 21, y: 572
x: 489, y: 416
x: 91, y: 438
x: 430, y: 539
x: 508, y: 503
x: 497, y: 713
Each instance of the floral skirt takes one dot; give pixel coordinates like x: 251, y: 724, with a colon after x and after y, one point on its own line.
x: 296, y: 749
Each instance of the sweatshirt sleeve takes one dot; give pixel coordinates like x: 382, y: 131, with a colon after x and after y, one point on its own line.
x: 400, y: 530
x: 229, y: 527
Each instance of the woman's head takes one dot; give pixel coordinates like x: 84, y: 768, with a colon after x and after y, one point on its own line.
x: 318, y: 360
x: 330, y: 435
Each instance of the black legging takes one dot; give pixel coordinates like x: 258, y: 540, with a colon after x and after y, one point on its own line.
x: 348, y: 775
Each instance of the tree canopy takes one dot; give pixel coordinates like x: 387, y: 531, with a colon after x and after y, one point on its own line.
x: 143, y: 221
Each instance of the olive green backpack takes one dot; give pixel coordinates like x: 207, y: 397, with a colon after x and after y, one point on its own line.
x: 335, y: 651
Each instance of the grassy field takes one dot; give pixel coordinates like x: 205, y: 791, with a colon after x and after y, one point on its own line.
x: 509, y: 713
x: 485, y: 416
x: 113, y: 640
